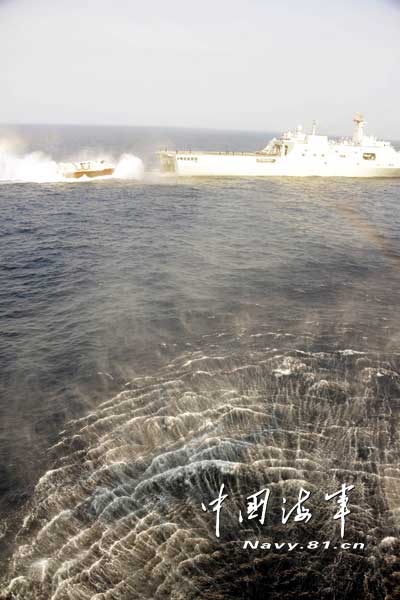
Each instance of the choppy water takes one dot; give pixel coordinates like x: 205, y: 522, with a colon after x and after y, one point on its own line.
x: 163, y: 337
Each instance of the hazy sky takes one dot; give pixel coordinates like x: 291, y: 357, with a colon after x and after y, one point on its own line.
x: 248, y: 64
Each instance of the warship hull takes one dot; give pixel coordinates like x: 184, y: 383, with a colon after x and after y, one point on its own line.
x: 199, y: 164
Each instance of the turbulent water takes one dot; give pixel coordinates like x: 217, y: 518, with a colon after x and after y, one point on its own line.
x: 161, y: 338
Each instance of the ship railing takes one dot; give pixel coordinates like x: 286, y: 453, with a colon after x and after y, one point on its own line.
x: 217, y: 152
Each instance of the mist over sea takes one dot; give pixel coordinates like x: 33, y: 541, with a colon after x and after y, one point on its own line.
x: 161, y: 336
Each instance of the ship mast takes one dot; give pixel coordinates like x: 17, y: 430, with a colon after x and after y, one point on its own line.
x: 314, y: 127
x: 358, y: 129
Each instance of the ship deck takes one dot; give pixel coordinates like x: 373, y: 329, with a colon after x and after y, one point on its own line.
x: 214, y: 153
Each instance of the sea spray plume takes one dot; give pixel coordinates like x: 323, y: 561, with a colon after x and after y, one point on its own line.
x: 129, y: 167
x: 34, y: 166
x: 119, y: 516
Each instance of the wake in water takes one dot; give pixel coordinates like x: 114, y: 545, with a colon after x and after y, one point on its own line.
x: 37, y: 167
x: 120, y: 518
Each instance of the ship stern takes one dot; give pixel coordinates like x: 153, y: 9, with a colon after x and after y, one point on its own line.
x: 167, y: 161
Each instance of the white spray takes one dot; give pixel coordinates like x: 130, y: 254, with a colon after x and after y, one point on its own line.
x: 129, y: 167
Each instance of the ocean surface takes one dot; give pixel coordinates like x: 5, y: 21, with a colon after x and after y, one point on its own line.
x: 160, y: 337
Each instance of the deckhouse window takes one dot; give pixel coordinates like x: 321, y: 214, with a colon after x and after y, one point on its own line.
x: 369, y: 156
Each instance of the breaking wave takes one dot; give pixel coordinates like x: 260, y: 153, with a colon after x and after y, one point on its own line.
x: 37, y: 167
x: 119, y: 516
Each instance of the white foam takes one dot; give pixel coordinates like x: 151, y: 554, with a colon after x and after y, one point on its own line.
x: 34, y: 167
x: 129, y: 167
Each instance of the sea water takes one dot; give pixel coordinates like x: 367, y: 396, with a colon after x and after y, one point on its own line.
x: 162, y: 336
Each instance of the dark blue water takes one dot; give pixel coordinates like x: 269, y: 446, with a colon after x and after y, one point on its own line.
x: 107, y: 280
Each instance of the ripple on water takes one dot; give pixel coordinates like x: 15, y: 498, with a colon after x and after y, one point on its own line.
x: 119, y: 515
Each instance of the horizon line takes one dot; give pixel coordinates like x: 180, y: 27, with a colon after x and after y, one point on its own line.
x: 168, y: 127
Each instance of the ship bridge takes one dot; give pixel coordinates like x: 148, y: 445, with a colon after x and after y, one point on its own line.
x: 290, y: 140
